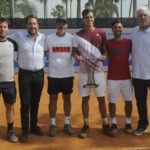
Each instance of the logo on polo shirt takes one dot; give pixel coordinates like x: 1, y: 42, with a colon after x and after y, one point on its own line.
x: 57, y: 49
x: 115, y: 51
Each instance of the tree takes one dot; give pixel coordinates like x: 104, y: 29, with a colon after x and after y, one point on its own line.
x: 134, y: 8
x: 11, y: 8
x: 45, y: 7
x: 78, y: 8
x: 24, y: 8
x: 58, y: 11
x: 70, y: 8
x: 130, y: 8
x: 133, y: 4
x: 21, y: 8
x: 148, y: 4
x: 4, y: 8
x: 66, y: 3
x: 112, y: 6
x: 103, y: 8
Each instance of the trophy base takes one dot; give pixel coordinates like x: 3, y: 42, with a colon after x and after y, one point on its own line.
x: 90, y: 86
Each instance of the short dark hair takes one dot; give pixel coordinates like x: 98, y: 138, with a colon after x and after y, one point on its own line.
x: 29, y: 17
x: 4, y: 20
x: 116, y: 21
x: 86, y: 11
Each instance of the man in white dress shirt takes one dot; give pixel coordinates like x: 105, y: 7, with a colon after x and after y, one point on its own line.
x: 141, y: 66
x: 31, y: 45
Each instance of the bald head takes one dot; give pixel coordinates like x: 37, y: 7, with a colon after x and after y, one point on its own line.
x: 143, y: 18
x: 141, y: 10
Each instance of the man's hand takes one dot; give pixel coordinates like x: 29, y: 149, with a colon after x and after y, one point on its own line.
x: 102, y: 58
x: 78, y: 58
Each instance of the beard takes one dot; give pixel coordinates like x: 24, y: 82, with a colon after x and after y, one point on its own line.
x: 32, y: 32
x: 61, y: 31
x: 2, y: 36
x: 117, y: 35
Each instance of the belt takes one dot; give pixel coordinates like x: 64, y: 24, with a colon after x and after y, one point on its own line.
x: 30, y: 71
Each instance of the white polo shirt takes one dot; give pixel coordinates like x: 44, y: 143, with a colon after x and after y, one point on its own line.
x: 30, y: 52
x: 60, y: 59
x: 141, y: 53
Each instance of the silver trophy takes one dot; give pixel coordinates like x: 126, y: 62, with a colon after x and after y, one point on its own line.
x: 90, y: 65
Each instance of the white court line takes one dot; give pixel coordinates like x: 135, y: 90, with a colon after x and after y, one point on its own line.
x: 137, y: 148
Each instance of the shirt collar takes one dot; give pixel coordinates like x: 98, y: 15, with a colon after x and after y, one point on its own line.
x: 28, y: 35
x: 147, y: 30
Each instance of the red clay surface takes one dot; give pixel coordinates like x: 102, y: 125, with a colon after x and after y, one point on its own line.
x: 95, y: 141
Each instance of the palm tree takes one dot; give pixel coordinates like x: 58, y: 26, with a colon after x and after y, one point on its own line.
x: 21, y: 9
x: 58, y: 11
x: 134, y: 8
x: 24, y: 8
x: 112, y: 4
x: 4, y: 8
x: 78, y: 8
x: 70, y: 8
x: 121, y: 9
x: 148, y: 4
x: 11, y: 8
x: 133, y: 4
x: 45, y: 7
x: 130, y: 8
x: 103, y: 8
x: 66, y: 3
x: 90, y: 4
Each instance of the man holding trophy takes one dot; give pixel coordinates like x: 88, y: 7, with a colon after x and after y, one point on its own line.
x: 88, y: 49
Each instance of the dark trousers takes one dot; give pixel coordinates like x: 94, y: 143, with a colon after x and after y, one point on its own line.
x: 141, y: 89
x: 30, y: 89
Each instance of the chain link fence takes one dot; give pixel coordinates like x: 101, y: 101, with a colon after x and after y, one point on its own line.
x: 73, y: 23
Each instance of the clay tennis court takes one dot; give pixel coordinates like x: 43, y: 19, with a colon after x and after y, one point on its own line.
x: 95, y: 141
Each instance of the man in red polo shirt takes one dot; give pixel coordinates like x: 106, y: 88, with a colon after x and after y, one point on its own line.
x: 119, y: 79
x: 89, y: 44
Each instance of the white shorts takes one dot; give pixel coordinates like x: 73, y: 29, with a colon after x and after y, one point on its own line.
x: 117, y: 86
x: 99, y: 79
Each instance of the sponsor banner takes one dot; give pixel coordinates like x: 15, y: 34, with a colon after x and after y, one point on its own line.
x: 109, y: 34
